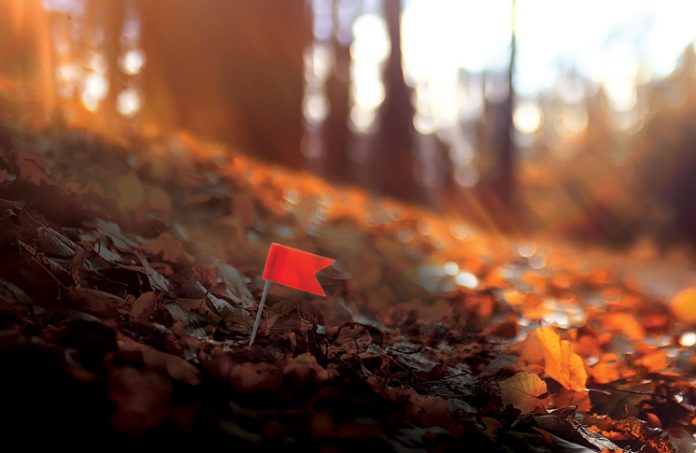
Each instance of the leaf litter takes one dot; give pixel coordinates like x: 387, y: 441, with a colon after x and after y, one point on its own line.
x: 130, y: 314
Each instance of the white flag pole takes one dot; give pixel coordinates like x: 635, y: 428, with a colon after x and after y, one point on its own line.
x: 258, y: 313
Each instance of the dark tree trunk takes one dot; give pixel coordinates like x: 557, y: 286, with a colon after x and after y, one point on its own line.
x: 335, y: 130
x: 505, y: 183
x: 394, y: 155
x: 26, y: 50
x: 231, y: 70
x: 109, y: 15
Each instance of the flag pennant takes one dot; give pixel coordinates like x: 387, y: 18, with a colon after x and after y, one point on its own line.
x: 295, y: 268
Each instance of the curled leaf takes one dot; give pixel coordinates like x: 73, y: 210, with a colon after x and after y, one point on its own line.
x: 561, y: 362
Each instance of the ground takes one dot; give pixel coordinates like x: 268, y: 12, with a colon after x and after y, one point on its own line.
x: 130, y: 278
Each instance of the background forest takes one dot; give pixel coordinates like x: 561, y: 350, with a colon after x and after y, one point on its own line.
x: 472, y: 113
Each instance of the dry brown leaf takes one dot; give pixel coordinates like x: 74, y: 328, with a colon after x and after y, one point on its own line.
x: 76, y: 265
x: 54, y: 242
x: 11, y: 293
x: 234, y: 281
x: 144, y: 306
x: 561, y: 362
x: 157, y: 280
x: 523, y: 391
x: 32, y: 169
x: 96, y: 302
x: 169, y: 247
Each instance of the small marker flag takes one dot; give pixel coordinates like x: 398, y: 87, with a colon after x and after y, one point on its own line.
x: 290, y: 267
x: 295, y: 268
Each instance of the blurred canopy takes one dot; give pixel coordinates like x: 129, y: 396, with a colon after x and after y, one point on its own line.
x: 321, y: 85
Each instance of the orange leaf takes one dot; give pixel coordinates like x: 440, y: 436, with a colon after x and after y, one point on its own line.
x: 684, y: 305
x: 654, y: 361
x: 606, y: 370
x: 626, y: 324
x: 523, y: 391
x: 560, y: 361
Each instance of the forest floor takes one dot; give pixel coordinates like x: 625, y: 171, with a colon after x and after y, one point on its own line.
x: 130, y: 278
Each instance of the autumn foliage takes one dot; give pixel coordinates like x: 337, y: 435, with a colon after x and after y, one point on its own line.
x: 131, y: 274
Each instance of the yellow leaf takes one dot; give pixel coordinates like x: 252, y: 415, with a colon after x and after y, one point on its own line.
x: 684, y: 305
x: 530, y: 352
x: 523, y: 391
x: 561, y: 362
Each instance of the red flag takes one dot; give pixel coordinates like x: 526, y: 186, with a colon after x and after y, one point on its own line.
x: 295, y: 268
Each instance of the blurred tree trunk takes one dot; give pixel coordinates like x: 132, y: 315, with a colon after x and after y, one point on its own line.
x: 26, y: 51
x: 114, y: 16
x: 105, y: 18
x: 505, y: 181
x: 394, y: 160
x: 335, y: 130
x: 230, y: 70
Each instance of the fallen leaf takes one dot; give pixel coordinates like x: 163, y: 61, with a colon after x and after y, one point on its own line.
x: 522, y: 391
x: 606, y: 370
x: 54, y: 242
x: 94, y: 301
x: 189, y: 320
x: 169, y: 247
x: 144, y: 306
x: 561, y: 362
x: 32, y: 169
x: 654, y: 361
x: 234, y: 281
x: 76, y: 265
x: 157, y: 280
x: 684, y: 305
x: 10, y: 292
x: 531, y: 352
x: 626, y: 324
